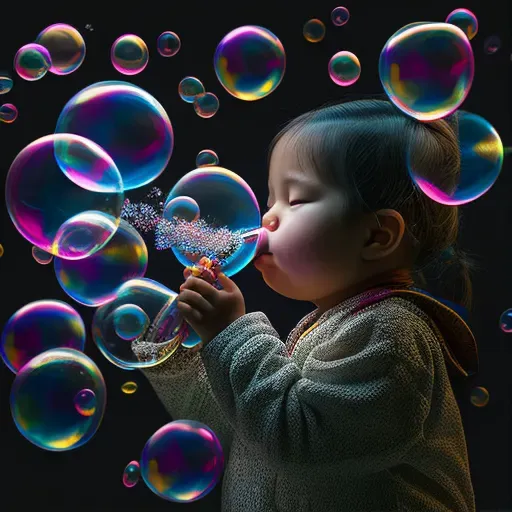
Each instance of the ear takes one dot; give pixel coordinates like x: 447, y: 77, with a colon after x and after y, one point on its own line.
x: 384, y: 239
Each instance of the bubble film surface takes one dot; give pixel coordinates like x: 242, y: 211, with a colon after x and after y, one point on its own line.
x: 465, y: 20
x: 344, y: 68
x: 37, y: 327
x: 250, y: 62
x: 8, y: 113
x: 340, y: 16
x: 183, y: 461
x: 131, y: 474
x: 206, y: 105
x: 189, y: 88
x: 168, y: 44
x: 206, y: 157
x: 128, y: 123
x: 32, y: 62
x: 6, y: 83
x: 129, y: 54
x: 43, y: 398
x: 314, y: 31
x: 64, y: 195
x: 427, y: 69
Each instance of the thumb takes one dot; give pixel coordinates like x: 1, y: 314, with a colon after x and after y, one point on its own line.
x: 226, y: 282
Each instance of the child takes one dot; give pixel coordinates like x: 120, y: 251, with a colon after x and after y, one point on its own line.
x: 356, y: 411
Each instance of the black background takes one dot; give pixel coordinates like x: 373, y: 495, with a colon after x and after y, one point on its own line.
x: 89, y: 478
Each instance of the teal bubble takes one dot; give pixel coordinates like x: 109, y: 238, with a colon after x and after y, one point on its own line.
x: 206, y: 157
x: 189, y: 88
x: 32, y: 62
x: 465, y: 20
x: 131, y: 474
x: 130, y: 322
x: 206, y: 105
x: 344, y: 68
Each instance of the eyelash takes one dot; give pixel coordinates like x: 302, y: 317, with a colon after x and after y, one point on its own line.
x: 292, y: 203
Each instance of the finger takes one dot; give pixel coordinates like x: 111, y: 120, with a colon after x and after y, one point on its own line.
x: 227, y: 284
x: 202, y: 287
x: 191, y: 315
x: 196, y: 300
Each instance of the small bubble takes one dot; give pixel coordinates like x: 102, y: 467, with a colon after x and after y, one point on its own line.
x: 130, y: 387
x: 479, y: 397
x: 314, y: 31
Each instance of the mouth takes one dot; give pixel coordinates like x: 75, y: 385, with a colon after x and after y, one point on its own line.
x: 263, y: 258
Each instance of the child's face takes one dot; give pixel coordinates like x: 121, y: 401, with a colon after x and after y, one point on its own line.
x: 315, y: 254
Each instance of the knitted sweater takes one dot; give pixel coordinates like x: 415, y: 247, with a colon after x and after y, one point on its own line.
x: 354, y: 413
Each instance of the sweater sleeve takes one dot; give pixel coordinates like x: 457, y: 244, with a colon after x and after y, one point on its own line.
x: 357, y: 405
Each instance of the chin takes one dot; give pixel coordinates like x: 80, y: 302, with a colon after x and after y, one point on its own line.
x: 288, y: 290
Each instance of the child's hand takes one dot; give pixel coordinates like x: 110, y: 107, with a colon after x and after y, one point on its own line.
x: 208, y: 310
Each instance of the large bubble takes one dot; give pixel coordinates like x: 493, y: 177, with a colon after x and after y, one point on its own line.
x: 465, y: 20
x: 37, y: 327
x: 64, y: 194
x: 128, y: 123
x: 66, y: 46
x: 250, y: 62
x: 129, y: 54
x: 427, y: 69
x: 32, y: 62
x: 94, y: 280
x: 481, y: 154
x: 44, y: 396
x: 182, y: 461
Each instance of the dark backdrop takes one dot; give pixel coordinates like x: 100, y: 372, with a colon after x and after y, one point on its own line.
x: 89, y: 478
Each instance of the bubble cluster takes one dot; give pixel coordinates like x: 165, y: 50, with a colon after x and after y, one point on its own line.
x: 182, y: 461
x: 168, y: 44
x: 427, y: 69
x: 37, y: 327
x: 340, y: 16
x: 32, y: 62
x: 506, y: 321
x: 64, y: 195
x: 8, y: 113
x: 92, y: 281
x: 66, y: 47
x: 142, y: 216
x: 135, y: 129
x: 314, y: 30
x: 43, y: 399
x: 465, y: 20
x: 344, y: 68
x: 479, y: 397
x: 129, y: 54
x: 206, y: 105
x: 42, y: 257
x: 189, y: 88
x: 206, y: 157
x: 6, y: 83
x: 481, y: 153
x: 85, y: 402
x: 131, y: 474
x: 130, y: 322
x: 129, y: 387
x: 492, y: 44
x: 250, y: 62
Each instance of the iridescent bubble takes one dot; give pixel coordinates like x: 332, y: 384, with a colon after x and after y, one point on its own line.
x: 43, y: 399
x: 206, y: 157
x: 314, y: 31
x: 340, y: 16
x: 492, y: 44
x: 479, y: 397
x: 465, y: 20
x: 37, y: 327
x: 129, y: 54
x: 130, y: 322
x: 506, y: 321
x: 32, y: 62
x: 6, y: 83
x: 8, y: 113
x: 42, y: 257
x: 189, y: 88
x: 1, y: 250
x: 250, y: 62
x: 481, y: 152
x: 93, y: 281
x: 131, y: 474
x: 427, y: 69
x: 168, y: 44
x: 85, y: 402
x: 182, y: 207
x: 135, y: 129
x: 130, y: 387
x: 69, y: 206
x: 206, y: 105
x: 66, y: 46
x: 344, y: 68
x: 183, y: 461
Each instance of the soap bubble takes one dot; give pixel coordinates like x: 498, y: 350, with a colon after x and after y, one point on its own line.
x: 37, y: 327
x: 206, y: 105
x: 340, y: 16
x: 506, y: 321
x: 129, y: 54
x: 181, y: 207
x: 43, y: 399
x: 182, y: 461
x: 427, y: 69
x: 131, y: 474
x: 66, y: 46
x: 189, y: 88
x: 135, y: 129
x: 64, y: 194
x: 92, y: 281
x: 85, y: 402
x: 6, y: 83
x: 8, y: 113
x: 32, y: 62
x: 130, y: 322
x: 481, y: 152
x: 479, y: 397
x: 314, y: 31
x: 42, y: 257
x: 206, y: 157
x: 344, y: 68
x: 129, y: 387
x: 1, y: 250
x: 492, y: 44
x: 250, y: 62
x: 168, y: 44
x: 465, y: 20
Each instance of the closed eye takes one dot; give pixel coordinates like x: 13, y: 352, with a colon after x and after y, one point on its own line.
x: 298, y: 201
